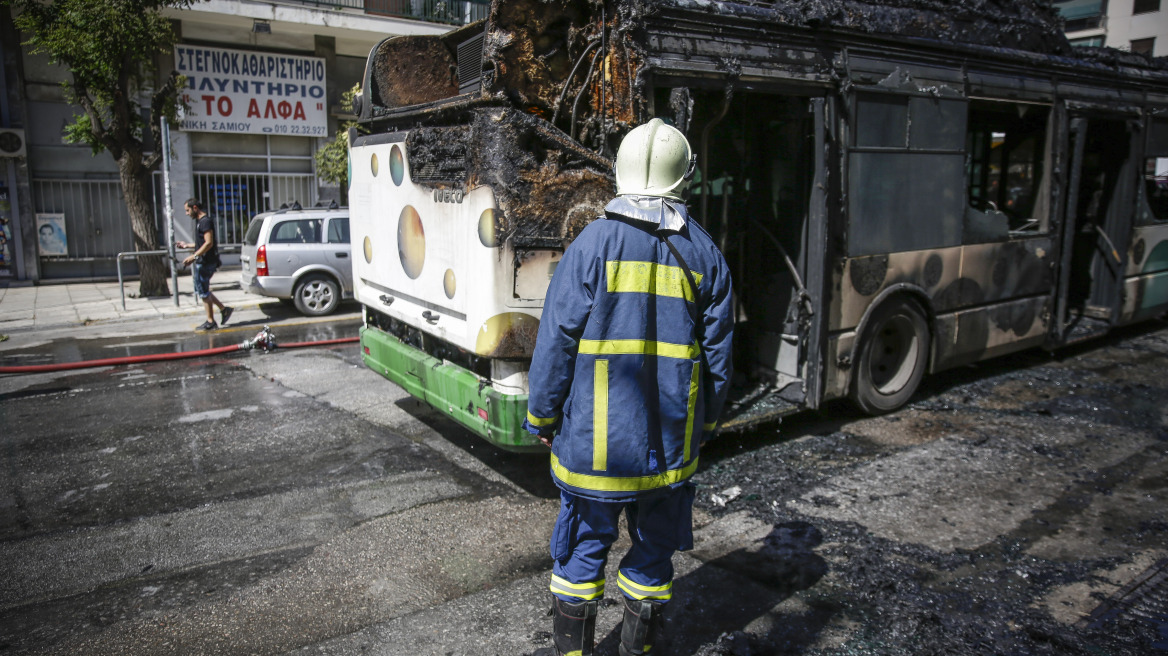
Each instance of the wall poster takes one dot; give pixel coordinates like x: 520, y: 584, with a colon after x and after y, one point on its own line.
x: 51, y: 238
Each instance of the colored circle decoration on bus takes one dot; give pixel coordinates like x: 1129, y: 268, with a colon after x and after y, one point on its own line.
x: 373, y: 164
x: 368, y: 250
x: 397, y: 165
x: 487, y: 228
x: 448, y: 283
x: 411, y: 241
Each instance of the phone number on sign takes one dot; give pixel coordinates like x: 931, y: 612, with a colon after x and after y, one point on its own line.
x: 307, y: 130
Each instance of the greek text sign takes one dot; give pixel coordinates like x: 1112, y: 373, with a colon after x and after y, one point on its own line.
x: 252, y: 92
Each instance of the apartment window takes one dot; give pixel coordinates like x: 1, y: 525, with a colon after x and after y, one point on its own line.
x: 1145, y: 6
x: 1143, y: 46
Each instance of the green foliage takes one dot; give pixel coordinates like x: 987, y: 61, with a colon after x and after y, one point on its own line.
x: 109, y: 48
x: 332, y: 159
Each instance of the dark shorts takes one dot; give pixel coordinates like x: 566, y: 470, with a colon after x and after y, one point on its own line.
x: 201, y: 275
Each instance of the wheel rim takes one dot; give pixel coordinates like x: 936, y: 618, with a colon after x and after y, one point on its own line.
x: 894, y: 355
x: 318, y: 295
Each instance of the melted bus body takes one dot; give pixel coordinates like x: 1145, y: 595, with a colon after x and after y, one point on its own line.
x: 891, y: 205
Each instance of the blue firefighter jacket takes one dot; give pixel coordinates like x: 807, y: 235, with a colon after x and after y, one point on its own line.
x: 619, y: 365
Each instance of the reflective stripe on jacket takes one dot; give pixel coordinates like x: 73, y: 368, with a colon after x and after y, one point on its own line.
x: 618, y: 356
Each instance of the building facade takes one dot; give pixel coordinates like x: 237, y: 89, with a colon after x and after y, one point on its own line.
x: 265, y: 80
x: 1134, y: 25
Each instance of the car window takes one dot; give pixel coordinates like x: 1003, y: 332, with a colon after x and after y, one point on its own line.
x: 296, y: 231
x: 338, y: 230
x: 253, y: 232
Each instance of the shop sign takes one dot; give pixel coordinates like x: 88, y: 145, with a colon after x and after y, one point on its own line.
x: 252, y: 92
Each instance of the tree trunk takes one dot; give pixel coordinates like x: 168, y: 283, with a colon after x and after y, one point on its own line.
x: 136, y: 187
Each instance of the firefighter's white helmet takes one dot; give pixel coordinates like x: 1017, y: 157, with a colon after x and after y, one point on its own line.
x: 654, y: 160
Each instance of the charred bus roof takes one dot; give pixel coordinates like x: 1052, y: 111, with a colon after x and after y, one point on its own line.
x: 534, y: 99
x: 536, y: 55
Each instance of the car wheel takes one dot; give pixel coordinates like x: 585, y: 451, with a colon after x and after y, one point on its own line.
x: 894, y: 351
x: 316, y: 295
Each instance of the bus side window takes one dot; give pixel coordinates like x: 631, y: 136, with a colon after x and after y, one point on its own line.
x: 1154, y: 201
x: 905, y: 173
x: 1006, y: 171
x: 1153, y: 206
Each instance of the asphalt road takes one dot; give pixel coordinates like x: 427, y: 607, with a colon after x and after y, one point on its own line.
x: 295, y: 502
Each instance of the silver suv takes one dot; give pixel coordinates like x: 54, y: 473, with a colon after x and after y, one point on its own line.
x: 302, y: 255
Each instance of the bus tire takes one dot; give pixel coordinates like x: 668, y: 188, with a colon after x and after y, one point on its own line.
x: 893, y: 355
x: 316, y: 295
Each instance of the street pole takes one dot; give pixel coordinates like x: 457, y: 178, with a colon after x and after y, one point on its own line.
x: 169, y: 209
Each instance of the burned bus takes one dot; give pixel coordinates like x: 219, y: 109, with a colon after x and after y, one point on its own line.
x: 898, y: 188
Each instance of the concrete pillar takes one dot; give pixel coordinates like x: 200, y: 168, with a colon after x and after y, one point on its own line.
x: 15, y: 171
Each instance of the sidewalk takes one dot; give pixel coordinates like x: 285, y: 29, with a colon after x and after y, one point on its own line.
x: 27, y: 307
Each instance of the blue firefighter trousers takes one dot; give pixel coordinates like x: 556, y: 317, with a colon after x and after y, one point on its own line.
x: 659, y: 523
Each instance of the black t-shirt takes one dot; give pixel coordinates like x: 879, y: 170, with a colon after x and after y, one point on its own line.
x: 204, y: 225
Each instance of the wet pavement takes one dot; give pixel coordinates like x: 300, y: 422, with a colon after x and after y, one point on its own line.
x: 296, y: 502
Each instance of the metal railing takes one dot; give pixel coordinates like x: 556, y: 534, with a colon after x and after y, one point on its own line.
x: 1086, y: 23
x: 136, y: 254
x: 456, y: 12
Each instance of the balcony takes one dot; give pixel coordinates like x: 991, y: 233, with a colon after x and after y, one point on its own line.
x: 1079, y: 15
x: 450, y: 12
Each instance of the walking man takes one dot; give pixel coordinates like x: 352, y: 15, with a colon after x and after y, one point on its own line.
x: 630, y: 371
x: 204, y: 261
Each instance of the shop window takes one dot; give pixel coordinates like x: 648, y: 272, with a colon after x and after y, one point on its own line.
x: 1145, y: 6
x: 1006, y: 170
x: 251, y: 153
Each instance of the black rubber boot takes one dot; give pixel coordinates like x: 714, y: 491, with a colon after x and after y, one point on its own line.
x: 642, y: 630
x: 574, y: 627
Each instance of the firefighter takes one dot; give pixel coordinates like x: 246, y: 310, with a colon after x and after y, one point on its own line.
x: 629, y: 375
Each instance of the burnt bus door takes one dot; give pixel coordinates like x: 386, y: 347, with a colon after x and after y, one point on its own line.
x: 817, y: 241
x: 1097, y: 224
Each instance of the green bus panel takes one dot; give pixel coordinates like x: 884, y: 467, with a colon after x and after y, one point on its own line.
x: 452, y: 390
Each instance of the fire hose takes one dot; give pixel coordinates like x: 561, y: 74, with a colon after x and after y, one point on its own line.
x: 264, y: 340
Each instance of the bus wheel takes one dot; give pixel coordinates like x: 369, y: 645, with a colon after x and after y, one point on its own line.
x: 894, y: 351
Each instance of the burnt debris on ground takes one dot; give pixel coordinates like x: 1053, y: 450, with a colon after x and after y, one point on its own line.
x: 1008, y: 594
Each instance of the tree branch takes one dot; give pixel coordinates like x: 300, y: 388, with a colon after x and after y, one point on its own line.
x: 96, y: 124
